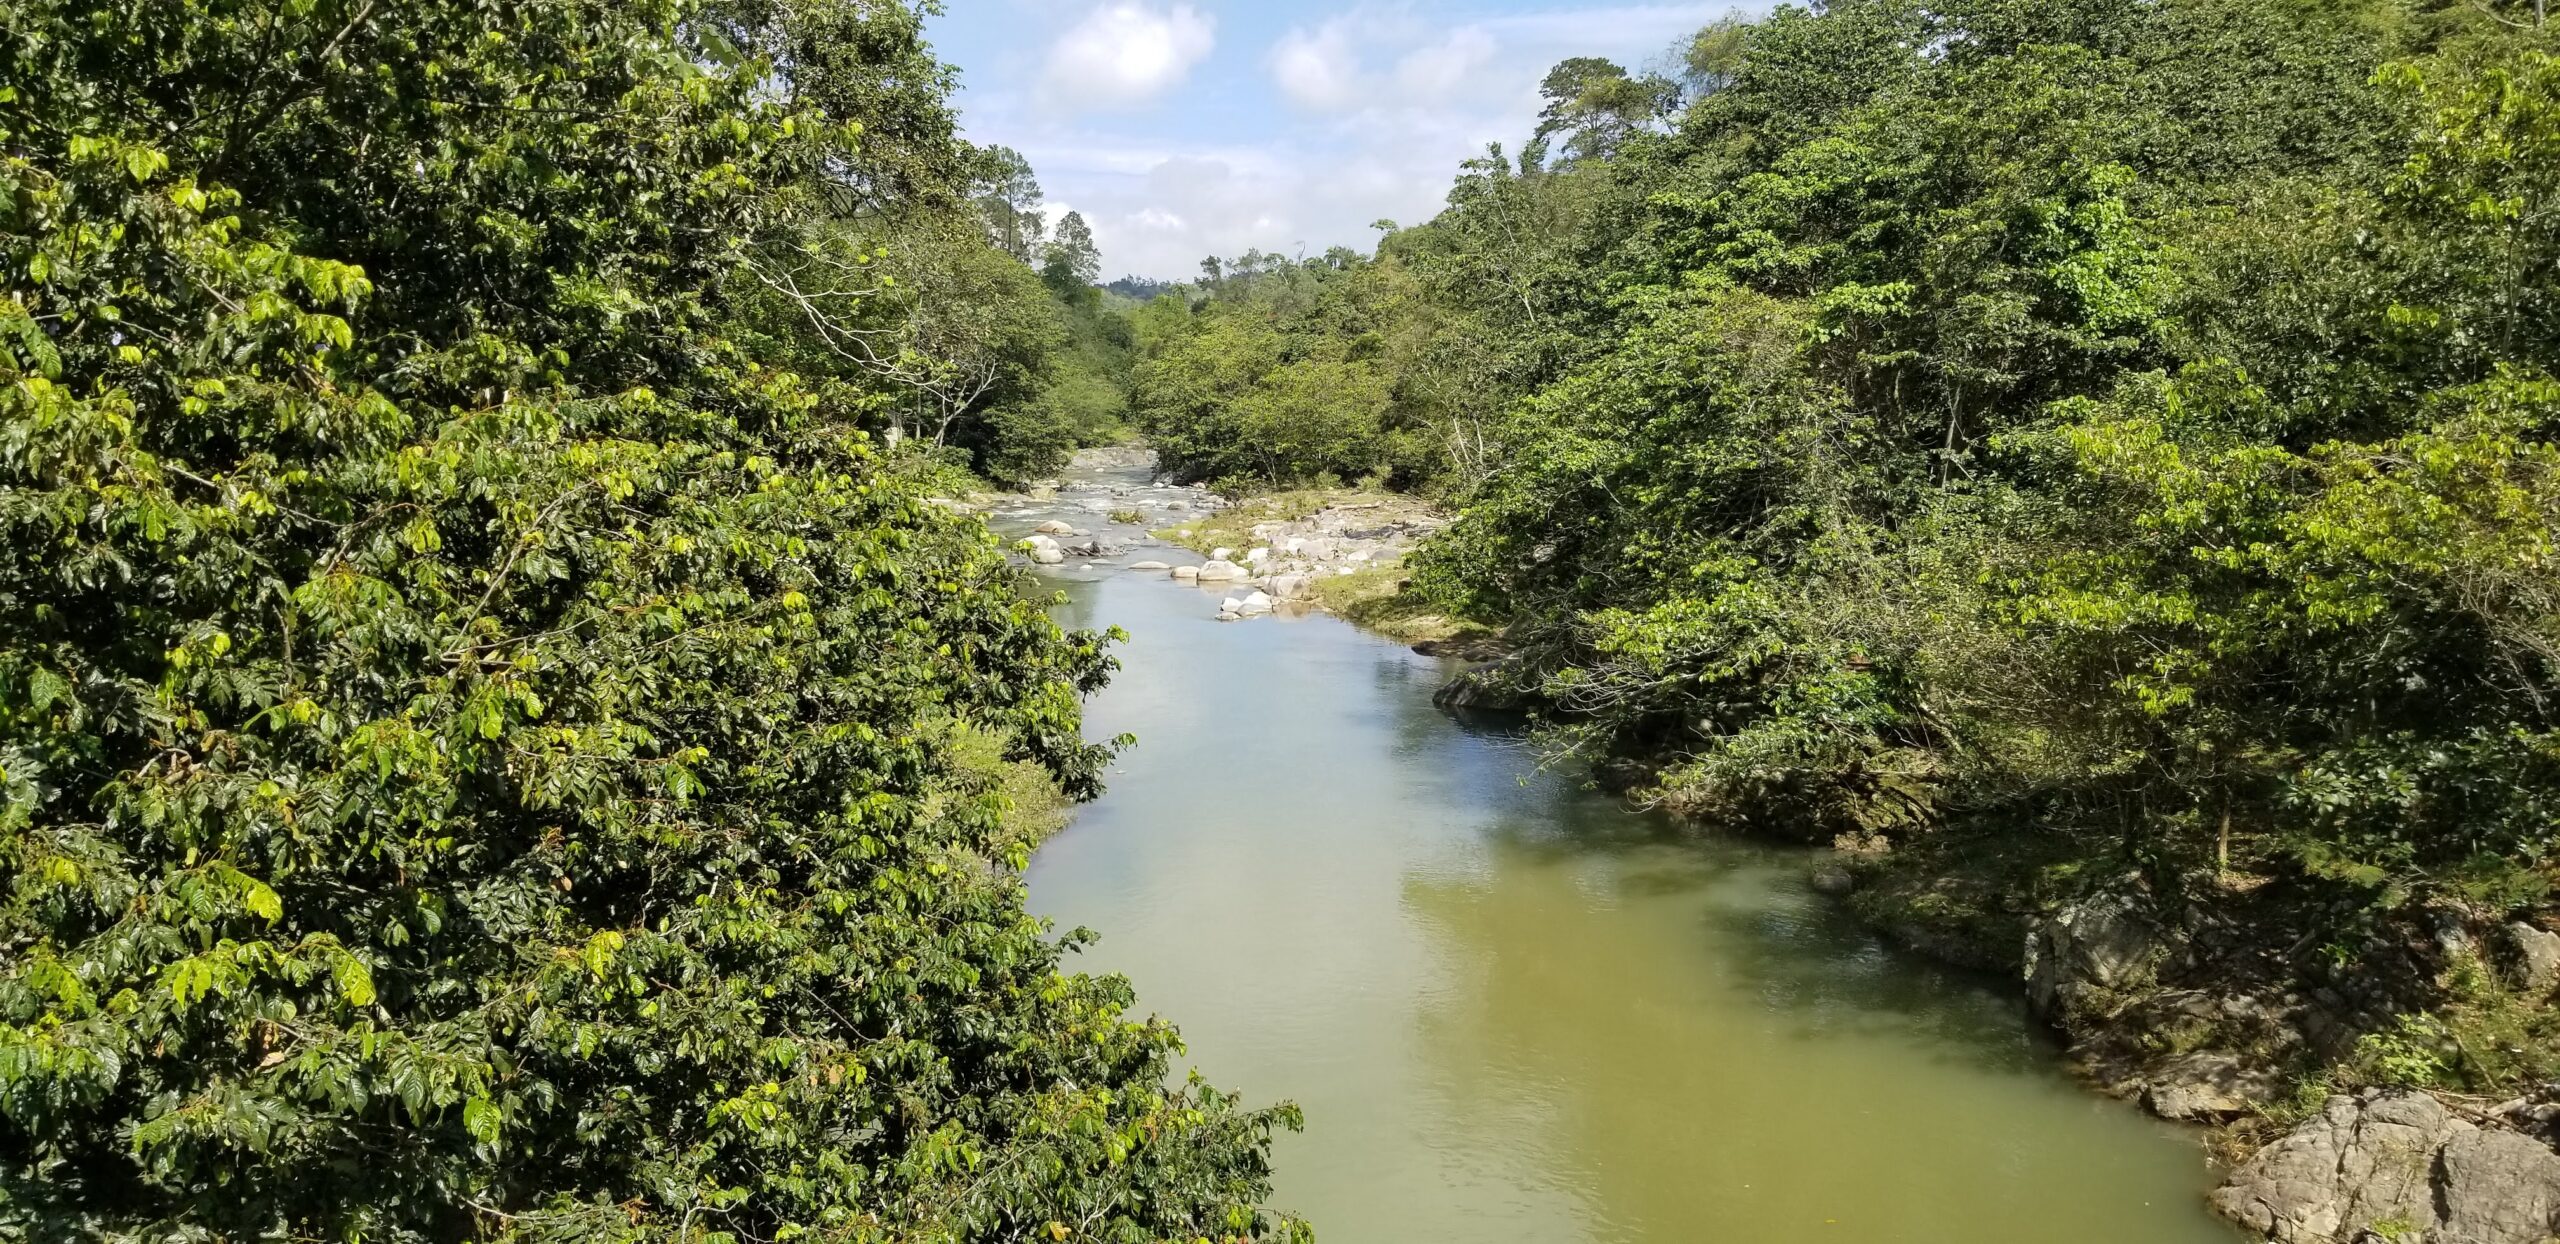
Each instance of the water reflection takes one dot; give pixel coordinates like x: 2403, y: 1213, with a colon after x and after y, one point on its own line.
x: 1515, y: 1012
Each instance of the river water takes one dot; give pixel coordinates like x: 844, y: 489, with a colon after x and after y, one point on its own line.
x: 1514, y: 1011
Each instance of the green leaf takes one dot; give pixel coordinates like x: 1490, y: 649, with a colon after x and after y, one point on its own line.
x: 354, y: 980
x: 481, y: 1118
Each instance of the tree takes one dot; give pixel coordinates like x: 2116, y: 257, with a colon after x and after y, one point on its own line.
x: 1713, y: 58
x: 1071, y: 263
x: 482, y: 757
x: 933, y: 330
x: 1008, y: 195
x: 1595, y: 106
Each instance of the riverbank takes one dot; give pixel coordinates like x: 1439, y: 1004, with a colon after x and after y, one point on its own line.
x: 2213, y: 1007
x: 1514, y: 1008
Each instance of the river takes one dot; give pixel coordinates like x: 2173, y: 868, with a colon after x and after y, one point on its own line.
x: 1513, y: 1010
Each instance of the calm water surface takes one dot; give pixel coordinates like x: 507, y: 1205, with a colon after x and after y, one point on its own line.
x: 1515, y: 1012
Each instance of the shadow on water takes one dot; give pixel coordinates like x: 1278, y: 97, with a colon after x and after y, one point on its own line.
x: 1801, y: 955
x: 1516, y: 1011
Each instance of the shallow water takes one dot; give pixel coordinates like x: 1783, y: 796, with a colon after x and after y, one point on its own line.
x: 1514, y: 1011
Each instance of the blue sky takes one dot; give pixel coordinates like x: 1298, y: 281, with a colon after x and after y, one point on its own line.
x: 1185, y: 128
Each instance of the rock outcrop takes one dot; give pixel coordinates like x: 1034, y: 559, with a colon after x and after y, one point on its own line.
x: 2401, y: 1167
x: 2209, y: 1086
x: 2532, y: 958
x: 2091, y: 954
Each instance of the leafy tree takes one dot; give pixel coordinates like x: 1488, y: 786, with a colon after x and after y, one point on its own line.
x: 1596, y: 106
x: 484, y: 757
x: 1008, y: 196
x: 1071, y: 263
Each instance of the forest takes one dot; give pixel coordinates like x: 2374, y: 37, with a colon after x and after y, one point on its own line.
x: 494, y: 742
x: 503, y: 735
x: 2027, y: 443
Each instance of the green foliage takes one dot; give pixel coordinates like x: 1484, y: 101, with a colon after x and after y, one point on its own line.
x: 483, y: 756
x: 2484, y: 1040
x: 2135, y: 418
x: 1277, y: 374
x: 1071, y: 263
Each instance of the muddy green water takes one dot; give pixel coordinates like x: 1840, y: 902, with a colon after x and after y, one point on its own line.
x: 1515, y: 1012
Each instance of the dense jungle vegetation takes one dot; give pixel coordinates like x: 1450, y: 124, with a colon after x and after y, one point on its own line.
x: 494, y: 743
x: 2126, y: 426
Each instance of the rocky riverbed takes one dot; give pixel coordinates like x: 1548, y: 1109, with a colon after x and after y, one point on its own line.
x: 2204, y: 1016
x: 1338, y: 550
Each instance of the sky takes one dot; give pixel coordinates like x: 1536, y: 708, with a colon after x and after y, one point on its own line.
x: 1188, y: 128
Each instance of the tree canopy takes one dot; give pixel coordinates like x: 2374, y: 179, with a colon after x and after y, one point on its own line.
x: 2121, y: 429
x: 486, y: 751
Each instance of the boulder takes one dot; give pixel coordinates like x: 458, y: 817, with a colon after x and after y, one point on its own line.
x: 1257, y: 557
x: 2532, y: 959
x: 1256, y: 605
x: 1221, y: 554
x: 2401, y: 1166
x: 1044, y: 550
x: 1186, y: 574
x: 1221, y: 571
x: 1157, y: 566
x: 2089, y: 955
x: 1230, y: 610
x: 1054, y: 528
x: 1833, y: 881
x: 2210, y: 1086
x: 1288, y: 586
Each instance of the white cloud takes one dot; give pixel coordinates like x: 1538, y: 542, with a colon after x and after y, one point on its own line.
x: 1128, y: 53
x: 1439, y: 70
x: 1361, y: 109
x: 1319, y: 68
x: 1374, y: 62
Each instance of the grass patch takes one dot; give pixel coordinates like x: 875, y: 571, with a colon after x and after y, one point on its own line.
x: 2483, y: 1038
x: 1377, y: 599
x: 1232, y: 528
